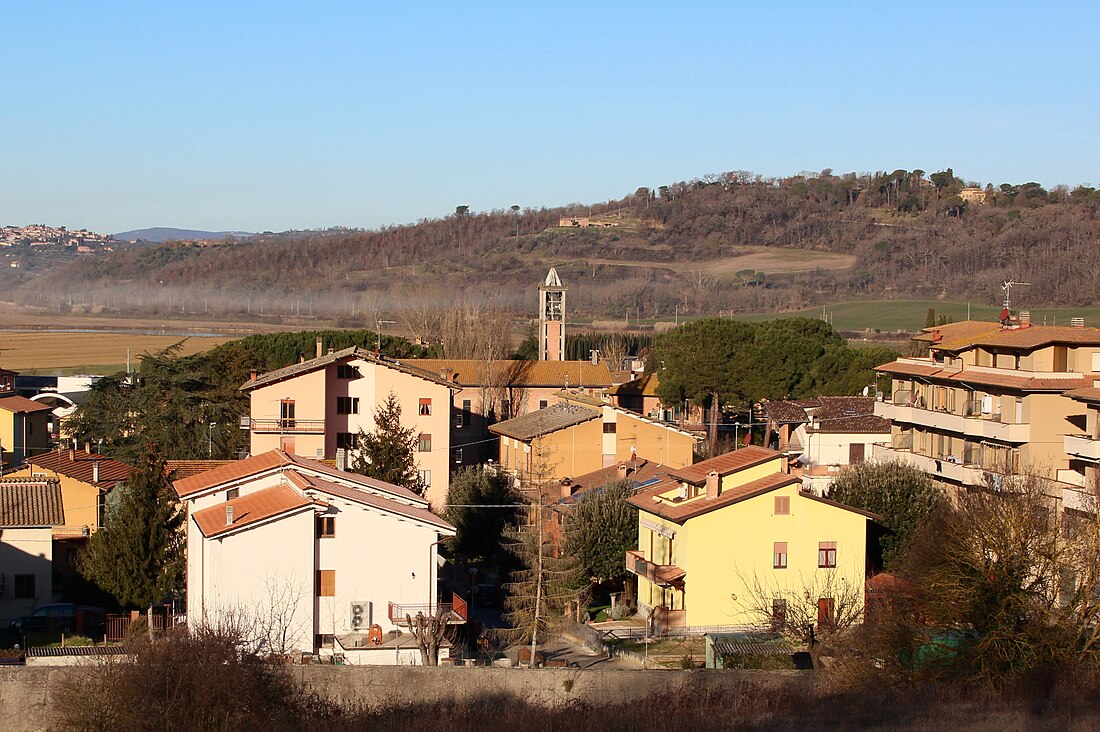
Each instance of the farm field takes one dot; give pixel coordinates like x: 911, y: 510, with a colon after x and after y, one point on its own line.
x: 51, y: 353
x: 769, y: 260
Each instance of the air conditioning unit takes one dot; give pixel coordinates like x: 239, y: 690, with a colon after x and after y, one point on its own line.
x: 360, y: 614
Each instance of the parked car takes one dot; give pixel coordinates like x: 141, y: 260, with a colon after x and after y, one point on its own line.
x: 63, y: 617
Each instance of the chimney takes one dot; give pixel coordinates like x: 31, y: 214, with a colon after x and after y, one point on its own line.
x: 1077, y: 322
x: 320, y: 347
x: 95, y: 472
x: 1025, y: 318
x: 72, y: 454
x: 341, y: 459
x: 566, y: 488
x: 88, y: 448
x: 252, y: 375
x: 595, y: 358
x: 713, y: 481
x: 228, y: 515
x: 623, y: 470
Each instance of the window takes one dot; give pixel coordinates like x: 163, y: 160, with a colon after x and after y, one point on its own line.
x: 458, y: 454
x: 826, y: 612
x: 425, y: 408
x: 347, y: 441
x: 779, y: 555
x: 24, y: 587
x: 463, y: 417
x: 543, y: 404
x: 346, y: 371
x: 286, y: 413
x: 506, y: 408
x: 232, y: 493
x: 609, y: 428
x: 324, y: 640
x: 782, y: 506
x: 826, y: 555
x: 425, y: 442
x: 425, y: 478
x: 326, y: 527
x: 347, y: 405
x: 779, y: 613
x: 326, y: 583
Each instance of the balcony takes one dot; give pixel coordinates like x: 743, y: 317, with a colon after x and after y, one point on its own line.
x: 978, y: 426
x: 964, y: 472
x: 1082, y: 446
x: 284, y: 426
x: 454, y: 612
x: 666, y: 575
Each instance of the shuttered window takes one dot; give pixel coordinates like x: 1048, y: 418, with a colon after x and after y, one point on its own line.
x: 826, y: 554
x: 326, y: 583
x: 779, y: 555
x: 782, y: 505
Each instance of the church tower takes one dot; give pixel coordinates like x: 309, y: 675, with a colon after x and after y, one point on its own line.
x: 552, y: 318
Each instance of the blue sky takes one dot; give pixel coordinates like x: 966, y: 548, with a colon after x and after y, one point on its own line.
x: 277, y: 115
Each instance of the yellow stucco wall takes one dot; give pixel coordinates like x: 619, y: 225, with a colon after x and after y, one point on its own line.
x: 572, y: 451
x: 654, y: 442
x: 725, y: 552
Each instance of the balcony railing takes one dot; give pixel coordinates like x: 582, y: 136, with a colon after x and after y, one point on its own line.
x: 455, y: 611
x: 904, y: 397
x: 661, y: 574
x: 285, y: 426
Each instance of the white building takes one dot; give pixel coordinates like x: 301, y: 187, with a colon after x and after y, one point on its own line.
x: 29, y: 510
x: 320, y: 560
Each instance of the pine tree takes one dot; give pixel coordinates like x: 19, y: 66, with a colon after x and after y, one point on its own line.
x: 600, y: 528
x: 137, y: 556
x: 388, y: 452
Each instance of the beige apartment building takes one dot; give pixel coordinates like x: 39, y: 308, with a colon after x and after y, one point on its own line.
x: 317, y: 407
x: 991, y: 400
x: 580, y: 434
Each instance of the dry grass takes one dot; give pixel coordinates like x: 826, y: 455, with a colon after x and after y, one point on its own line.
x: 47, y: 352
x: 770, y: 260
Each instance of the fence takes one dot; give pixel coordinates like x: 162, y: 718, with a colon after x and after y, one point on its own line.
x: 118, y: 626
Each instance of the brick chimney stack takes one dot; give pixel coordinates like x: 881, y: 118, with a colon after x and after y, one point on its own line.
x: 713, y: 481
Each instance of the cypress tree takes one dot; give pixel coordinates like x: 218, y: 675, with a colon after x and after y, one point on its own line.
x: 388, y: 452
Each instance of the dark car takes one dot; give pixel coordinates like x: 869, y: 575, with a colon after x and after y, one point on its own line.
x: 63, y: 617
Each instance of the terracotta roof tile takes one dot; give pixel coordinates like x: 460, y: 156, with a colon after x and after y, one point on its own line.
x: 30, y: 502
x: 681, y: 512
x: 1020, y: 380
x: 1087, y: 394
x: 645, y: 385
x: 346, y: 354
x: 970, y: 333
x: 186, y: 468
x: 22, y: 405
x: 787, y: 411
x: 471, y: 372
x: 846, y: 415
x: 80, y: 465
x: 905, y: 368
x: 544, y: 421
x: 250, y: 509
x: 725, y: 464
x: 375, y: 501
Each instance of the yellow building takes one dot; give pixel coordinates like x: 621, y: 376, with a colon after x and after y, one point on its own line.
x: 24, y: 429
x: 580, y: 434
x: 990, y: 400
x: 722, y: 539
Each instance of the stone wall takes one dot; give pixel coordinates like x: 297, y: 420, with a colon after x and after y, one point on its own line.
x: 28, y: 695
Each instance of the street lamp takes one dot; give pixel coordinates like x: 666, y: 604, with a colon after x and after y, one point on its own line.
x: 210, y: 439
x: 378, y: 350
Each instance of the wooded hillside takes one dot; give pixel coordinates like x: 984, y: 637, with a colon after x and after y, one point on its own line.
x: 731, y: 242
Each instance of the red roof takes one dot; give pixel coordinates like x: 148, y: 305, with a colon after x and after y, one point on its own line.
x: 250, y: 509
x: 370, y: 499
x: 21, y: 405
x: 681, y: 512
x: 80, y: 465
x: 725, y: 464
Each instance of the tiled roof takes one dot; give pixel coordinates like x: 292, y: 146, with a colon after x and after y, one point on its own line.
x: 186, y: 468
x: 249, y: 509
x: 274, y: 459
x: 354, y: 352
x: 375, y: 501
x: 987, y: 376
x: 846, y: 415
x: 681, y: 512
x: 30, y: 502
x: 725, y: 464
x: 1088, y: 394
x: 788, y: 411
x: 80, y: 465
x: 645, y: 385
x: 544, y: 421
x: 640, y: 471
x: 906, y: 368
x: 970, y: 333
x: 22, y: 405
x: 472, y: 372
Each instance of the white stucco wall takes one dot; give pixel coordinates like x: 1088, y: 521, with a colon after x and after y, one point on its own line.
x: 25, y: 551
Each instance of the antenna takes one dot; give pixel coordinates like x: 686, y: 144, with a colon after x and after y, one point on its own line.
x: 1007, y: 287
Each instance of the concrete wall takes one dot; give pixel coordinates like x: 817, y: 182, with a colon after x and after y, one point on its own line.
x: 29, y: 697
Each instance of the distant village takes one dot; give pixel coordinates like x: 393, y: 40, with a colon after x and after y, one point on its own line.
x: 748, y: 549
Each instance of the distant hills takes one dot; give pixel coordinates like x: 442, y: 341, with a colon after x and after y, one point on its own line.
x: 158, y: 234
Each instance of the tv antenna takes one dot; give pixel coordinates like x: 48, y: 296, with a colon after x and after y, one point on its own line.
x: 1007, y: 287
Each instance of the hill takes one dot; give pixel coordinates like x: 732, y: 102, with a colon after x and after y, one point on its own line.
x: 734, y: 242
x: 158, y: 234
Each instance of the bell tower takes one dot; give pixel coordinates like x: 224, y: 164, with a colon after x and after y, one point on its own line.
x: 552, y: 318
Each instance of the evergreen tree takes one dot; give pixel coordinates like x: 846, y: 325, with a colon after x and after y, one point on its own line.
x: 930, y: 319
x: 388, y: 452
x: 138, y: 555
x: 600, y: 528
x: 480, y: 529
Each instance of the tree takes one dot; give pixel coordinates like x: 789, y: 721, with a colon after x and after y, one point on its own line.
x: 703, y: 362
x: 388, y: 452
x: 429, y: 632
x: 479, y: 530
x: 138, y: 555
x: 903, y: 495
x: 600, y: 528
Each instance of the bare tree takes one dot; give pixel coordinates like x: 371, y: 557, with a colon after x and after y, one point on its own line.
x: 429, y: 631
